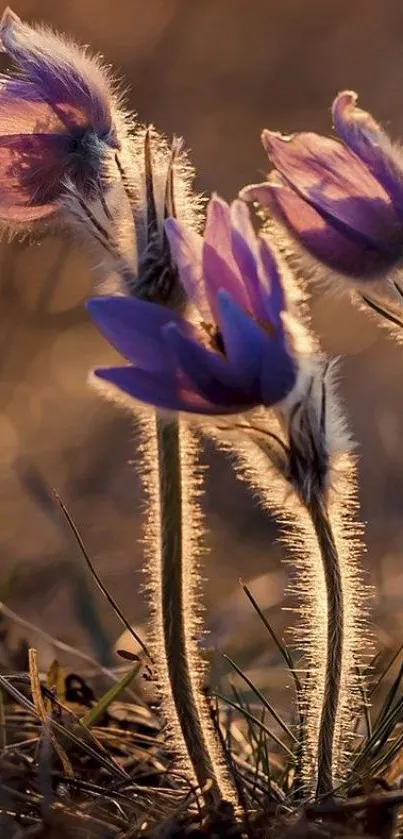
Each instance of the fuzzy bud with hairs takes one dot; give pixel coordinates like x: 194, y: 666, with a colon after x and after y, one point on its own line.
x: 61, y: 118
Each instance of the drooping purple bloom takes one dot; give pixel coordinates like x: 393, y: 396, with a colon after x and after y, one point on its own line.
x: 58, y: 121
x: 235, y: 355
x: 342, y: 203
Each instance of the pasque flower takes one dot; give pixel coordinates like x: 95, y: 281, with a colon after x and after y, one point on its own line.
x: 343, y: 202
x: 236, y: 355
x: 59, y: 119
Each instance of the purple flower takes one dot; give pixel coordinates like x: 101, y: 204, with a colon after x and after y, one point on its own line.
x: 58, y: 114
x: 235, y: 355
x: 343, y: 203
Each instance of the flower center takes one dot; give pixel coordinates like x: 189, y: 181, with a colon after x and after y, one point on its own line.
x: 266, y: 326
x: 214, y: 336
x: 216, y: 341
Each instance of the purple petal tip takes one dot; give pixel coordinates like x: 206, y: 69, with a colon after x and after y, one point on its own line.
x: 7, y: 20
x: 238, y: 209
x: 170, y: 225
x: 225, y: 296
x: 217, y: 200
x: 8, y: 17
x: 170, y: 328
x: 345, y: 100
x: 247, y: 193
x: 271, y: 138
x: 97, y: 307
x: 94, y: 304
x: 258, y: 193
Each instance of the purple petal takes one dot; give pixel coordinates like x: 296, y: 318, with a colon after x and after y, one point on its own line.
x: 245, y: 250
x: 218, y: 275
x: 186, y: 249
x: 33, y: 150
x: 155, y: 391
x: 259, y: 193
x: 18, y: 116
x: 365, y: 137
x: 208, y: 372
x: 321, y: 239
x: 244, y: 340
x: 134, y: 328
x: 240, y: 221
x: 217, y: 232
x: 258, y: 266
x: 30, y: 167
x: 14, y: 214
x: 338, y: 186
x: 279, y: 373
x: 220, y: 269
x: 271, y: 284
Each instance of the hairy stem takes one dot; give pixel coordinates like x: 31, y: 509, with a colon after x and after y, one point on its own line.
x: 325, y: 543
x: 334, y: 644
x: 178, y: 646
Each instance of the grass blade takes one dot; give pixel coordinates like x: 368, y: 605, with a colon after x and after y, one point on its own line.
x: 279, y: 644
x: 251, y: 717
x: 111, y: 600
x: 262, y: 699
x: 94, y: 714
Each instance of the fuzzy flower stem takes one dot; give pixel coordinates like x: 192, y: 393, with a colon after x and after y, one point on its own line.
x: 335, y: 637
x: 173, y: 605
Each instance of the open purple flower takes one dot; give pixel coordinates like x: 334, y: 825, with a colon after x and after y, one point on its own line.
x: 57, y: 121
x: 236, y: 355
x: 342, y: 203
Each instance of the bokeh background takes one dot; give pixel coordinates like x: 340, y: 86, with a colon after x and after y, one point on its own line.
x: 215, y: 72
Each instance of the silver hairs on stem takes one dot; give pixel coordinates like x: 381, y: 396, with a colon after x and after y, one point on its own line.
x: 298, y: 461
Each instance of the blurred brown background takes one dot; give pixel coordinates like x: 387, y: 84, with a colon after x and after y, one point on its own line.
x: 216, y: 72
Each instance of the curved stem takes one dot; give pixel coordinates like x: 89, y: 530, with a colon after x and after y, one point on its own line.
x: 179, y: 648
x: 334, y: 644
x: 333, y: 599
